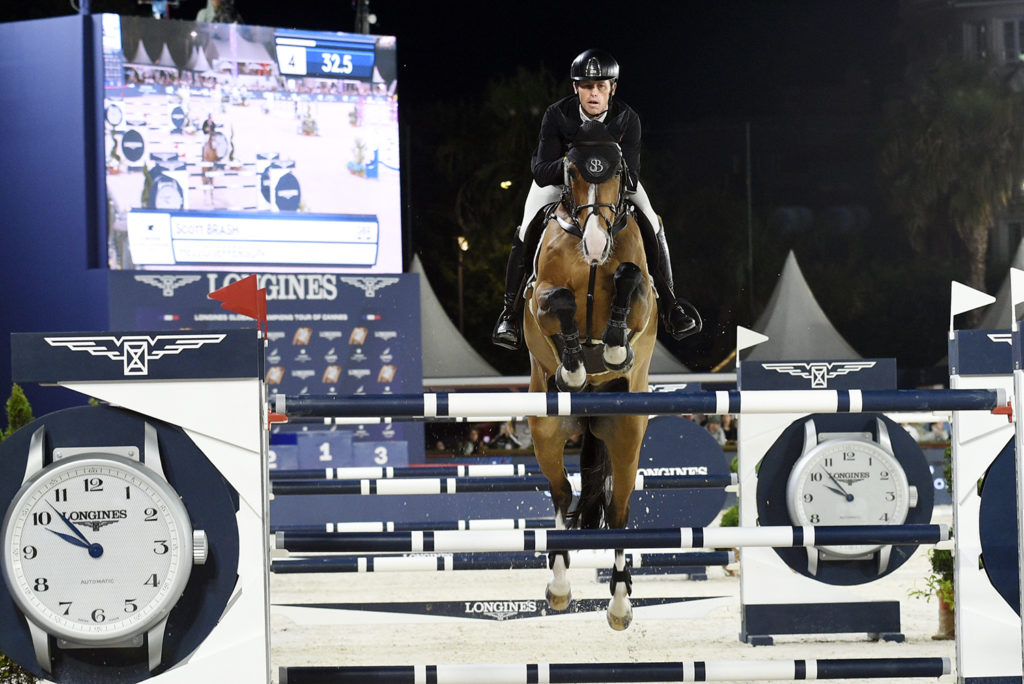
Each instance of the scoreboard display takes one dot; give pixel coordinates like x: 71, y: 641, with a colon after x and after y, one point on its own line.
x: 307, y: 54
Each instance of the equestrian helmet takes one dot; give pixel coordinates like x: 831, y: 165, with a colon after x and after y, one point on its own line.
x: 594, y: 65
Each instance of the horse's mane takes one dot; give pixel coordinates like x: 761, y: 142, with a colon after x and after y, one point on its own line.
x: 595, y: 152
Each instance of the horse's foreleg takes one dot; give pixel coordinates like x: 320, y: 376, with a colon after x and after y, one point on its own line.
x: 549, y: 445
x: 629, y: 436
x: 618, y: 354
x: 571, y: 375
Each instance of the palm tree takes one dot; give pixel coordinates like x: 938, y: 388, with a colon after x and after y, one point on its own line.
x: 952, y: 156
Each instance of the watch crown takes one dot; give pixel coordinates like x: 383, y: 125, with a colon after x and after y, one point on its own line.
x: 200, y: 547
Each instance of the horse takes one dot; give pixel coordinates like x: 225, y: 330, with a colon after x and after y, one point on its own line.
x: 591, y: 275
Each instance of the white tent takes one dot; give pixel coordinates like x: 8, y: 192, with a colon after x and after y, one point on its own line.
x: 165, y: 59
x: 446, y: 354
x: 141, y: 58
x: 795, y: 324
x: 997, y: 315
x: 198, y: 62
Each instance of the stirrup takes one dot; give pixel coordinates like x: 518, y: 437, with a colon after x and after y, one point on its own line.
x: 506, y: 333
x: 681, y: 320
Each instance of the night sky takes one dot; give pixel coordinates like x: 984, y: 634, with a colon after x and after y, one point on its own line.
x: 681, y: 60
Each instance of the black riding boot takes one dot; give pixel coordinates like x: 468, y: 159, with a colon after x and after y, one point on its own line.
x: 507, y: 331
x: 677, y: 322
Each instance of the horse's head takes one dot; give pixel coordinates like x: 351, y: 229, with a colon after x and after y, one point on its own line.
x: 593, y: 196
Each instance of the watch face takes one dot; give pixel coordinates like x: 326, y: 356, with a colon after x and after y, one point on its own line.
x: 848, y: 482
x: 97, y: 548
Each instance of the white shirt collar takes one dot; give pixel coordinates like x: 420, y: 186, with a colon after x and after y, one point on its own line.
x: 585, y: 118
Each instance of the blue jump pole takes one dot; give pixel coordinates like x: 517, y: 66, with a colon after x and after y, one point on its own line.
x: 568, y: 673
x: 462, y: 485
x: 639, y: 403
x: 510, y: 561
x: 469, y: 541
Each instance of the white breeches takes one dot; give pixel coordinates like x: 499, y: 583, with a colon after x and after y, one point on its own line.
x: 539, y: 197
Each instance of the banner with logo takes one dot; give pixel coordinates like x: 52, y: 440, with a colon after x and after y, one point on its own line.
x: 328, y: 334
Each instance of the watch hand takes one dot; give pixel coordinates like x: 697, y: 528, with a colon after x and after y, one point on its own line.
x: 74, y: 528
x: 68, y: 538
x: 95, y: 550
x: 849, y: 497
x: 840, y: 492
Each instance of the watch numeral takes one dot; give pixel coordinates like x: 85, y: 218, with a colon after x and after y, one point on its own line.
x: 129, y: 605
x: 98, y: 616
x: 808, y: 498
x: 29, y: 552
x: 60, y: 494
x: 828, y: 462
x: 94, y: 484
x: 41, y: 518
x: 152, y: 581
x: 150, y: 515
x: 41, y: 584
x: 67, y: 607
x: 815, y: 518
x: 883, y: 475
x: 885, y: 517
x: 849, y: 456
x: 815, y: 477
x: 127, y: 492
x: 890, y: 496
x: 161, y: 547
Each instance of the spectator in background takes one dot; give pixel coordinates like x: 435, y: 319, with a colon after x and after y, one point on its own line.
x: 729, y: 427
x: 714, y: 428
x: 220, y: 12
x: 937, y: 432
x: 472, y: 445
x: 506, y: 438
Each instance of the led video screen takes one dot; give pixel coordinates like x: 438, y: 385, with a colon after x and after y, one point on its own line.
x: 246, y: 147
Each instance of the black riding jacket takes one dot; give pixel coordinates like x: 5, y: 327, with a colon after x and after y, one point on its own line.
x: 558, y: 127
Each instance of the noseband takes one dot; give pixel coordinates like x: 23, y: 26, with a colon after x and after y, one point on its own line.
x: 595, y: 169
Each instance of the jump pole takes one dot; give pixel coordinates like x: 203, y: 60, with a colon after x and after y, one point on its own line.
x: 473, y: 541
x: 568, y: 673
x: 456, y: 485
x: 519, y: 561
x: 639, y: 403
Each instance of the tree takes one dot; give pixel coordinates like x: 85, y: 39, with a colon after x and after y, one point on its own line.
x: 473, y: 183
x: 952, y: 155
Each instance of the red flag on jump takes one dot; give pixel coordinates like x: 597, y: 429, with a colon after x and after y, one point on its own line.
x: 242, y: 297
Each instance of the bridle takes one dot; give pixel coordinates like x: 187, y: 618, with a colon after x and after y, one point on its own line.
x: 619, y: 209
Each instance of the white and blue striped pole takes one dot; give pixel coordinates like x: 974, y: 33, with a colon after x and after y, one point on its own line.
x: 638, y: 403
x: 463, y: 485
x: 510, y: 561
x: 470, y: 541
x: 569, y: 673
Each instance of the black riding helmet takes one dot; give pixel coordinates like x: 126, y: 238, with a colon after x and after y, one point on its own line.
x: 594, y: 65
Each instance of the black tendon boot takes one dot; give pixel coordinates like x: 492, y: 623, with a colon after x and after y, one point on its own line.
x: 677, y: 322
x: 507, y: 331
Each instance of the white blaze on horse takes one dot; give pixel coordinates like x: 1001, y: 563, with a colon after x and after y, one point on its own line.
x: 592, y: 279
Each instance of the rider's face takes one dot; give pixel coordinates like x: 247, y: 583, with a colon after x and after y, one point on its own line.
x: 594, y: 96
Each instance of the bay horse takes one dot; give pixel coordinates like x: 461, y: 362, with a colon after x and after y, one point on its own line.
x: 591, y: 275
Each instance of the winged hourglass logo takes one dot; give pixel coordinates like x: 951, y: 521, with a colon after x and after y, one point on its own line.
x: 369, y: 285
x: 819, y: 372
x: 136, y: 351
x: 167, y: 283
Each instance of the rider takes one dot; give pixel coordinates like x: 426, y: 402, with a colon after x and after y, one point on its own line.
x: 595, y: 75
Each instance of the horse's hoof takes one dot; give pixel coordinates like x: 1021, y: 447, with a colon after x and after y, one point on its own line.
x: 563, y: 379
x: 557, y: 602
x: 626, y: 364
x: 620, y: 622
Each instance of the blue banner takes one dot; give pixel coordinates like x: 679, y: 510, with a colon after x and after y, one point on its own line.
x: 328, y: 334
